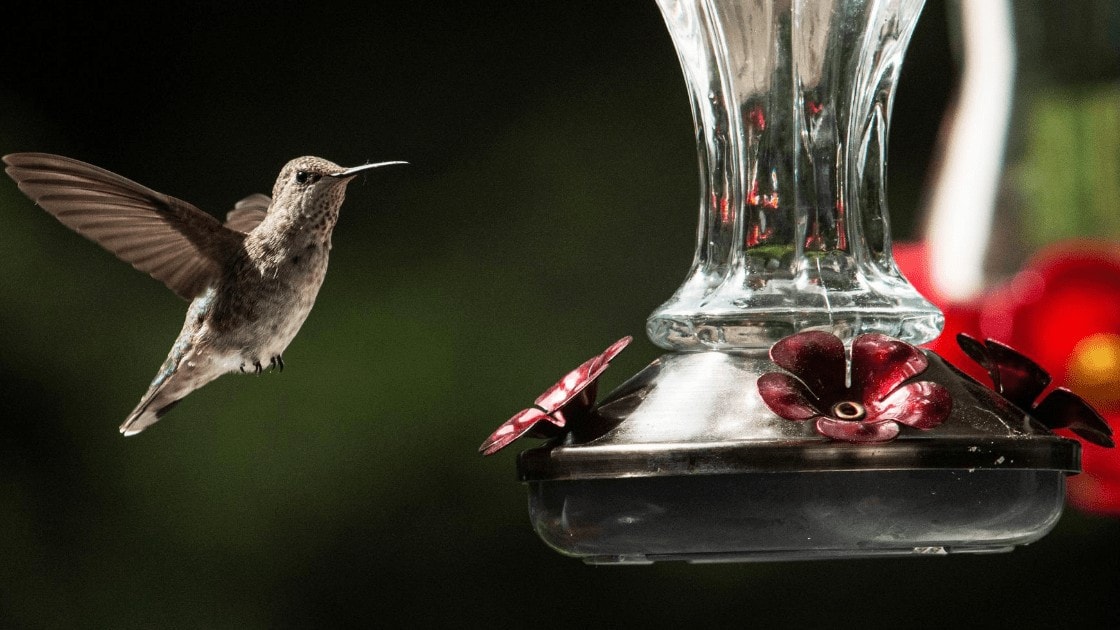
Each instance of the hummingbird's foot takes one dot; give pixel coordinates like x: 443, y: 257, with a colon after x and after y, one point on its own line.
x: 277, y: 363
x: 258, y: 367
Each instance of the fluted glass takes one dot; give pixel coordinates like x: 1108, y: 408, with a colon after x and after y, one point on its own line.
x: 791, y: 101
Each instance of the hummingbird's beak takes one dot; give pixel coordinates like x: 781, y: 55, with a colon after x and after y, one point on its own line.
x: 350, y: 172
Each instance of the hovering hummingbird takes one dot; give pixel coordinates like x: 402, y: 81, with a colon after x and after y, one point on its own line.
x: 251, y: 281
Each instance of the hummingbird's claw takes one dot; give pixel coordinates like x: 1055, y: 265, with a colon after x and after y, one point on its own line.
x: 259, y: 367
x: 277, y: 362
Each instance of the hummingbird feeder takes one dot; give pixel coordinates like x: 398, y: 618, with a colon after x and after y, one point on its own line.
x: 793, y: 416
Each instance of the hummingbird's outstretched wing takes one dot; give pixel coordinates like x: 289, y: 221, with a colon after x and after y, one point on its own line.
x: 248, y: 213
x: 172, y: 240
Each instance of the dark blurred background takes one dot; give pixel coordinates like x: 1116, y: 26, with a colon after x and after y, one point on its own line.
x: 549, y: 207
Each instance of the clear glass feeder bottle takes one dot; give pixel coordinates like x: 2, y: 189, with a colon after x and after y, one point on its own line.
x: 791, y: 101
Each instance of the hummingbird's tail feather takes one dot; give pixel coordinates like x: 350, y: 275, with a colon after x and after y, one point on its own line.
x: 145, y: 415
x: 172, y: 384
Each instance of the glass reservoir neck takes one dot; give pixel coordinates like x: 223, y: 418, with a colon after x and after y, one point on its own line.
x: 791, y: 101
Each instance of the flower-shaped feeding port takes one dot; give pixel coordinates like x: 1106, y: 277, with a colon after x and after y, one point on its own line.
x: 873, y: 406
x: 1020, y: 380
x: 566, y: 406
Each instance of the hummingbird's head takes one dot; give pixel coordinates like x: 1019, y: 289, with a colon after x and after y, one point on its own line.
x: 311, y: 189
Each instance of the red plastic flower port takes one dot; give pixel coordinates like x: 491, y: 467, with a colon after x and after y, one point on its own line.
x: 871, y: 409
x: 568, y: 401
x: 1021, y: 380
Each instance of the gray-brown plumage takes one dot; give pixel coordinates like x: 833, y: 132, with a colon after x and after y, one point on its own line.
x: 251, y: 281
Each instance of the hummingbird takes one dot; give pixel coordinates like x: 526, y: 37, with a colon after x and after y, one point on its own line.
x: 251, y: 281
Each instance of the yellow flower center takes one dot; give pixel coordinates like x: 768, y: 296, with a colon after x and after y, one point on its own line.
x: 1094, y: 369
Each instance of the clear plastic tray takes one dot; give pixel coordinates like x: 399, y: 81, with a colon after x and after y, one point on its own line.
x: 792, y: 516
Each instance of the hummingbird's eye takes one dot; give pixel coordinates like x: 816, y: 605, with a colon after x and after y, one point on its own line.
x: 303, y: 177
